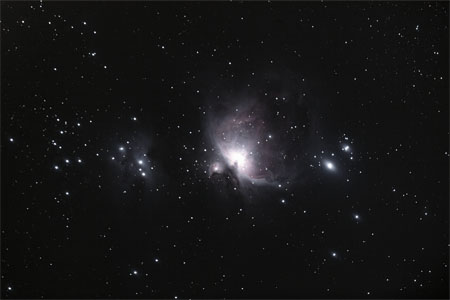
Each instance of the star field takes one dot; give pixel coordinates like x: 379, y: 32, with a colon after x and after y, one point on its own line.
x: 225, y: 150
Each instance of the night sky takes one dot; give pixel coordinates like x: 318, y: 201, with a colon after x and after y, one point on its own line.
x: 224, y: 150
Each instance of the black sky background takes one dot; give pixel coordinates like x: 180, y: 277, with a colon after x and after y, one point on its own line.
x: 358, y: 69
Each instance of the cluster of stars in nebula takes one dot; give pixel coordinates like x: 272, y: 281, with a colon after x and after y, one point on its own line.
x: 224, y: 150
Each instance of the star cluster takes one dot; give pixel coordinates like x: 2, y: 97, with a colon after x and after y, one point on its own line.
x: 224, y: 150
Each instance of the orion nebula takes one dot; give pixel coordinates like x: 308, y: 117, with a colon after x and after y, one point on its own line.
x: 251, y: 145
x: 224, y: 150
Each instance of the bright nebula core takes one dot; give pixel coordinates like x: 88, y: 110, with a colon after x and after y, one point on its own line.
x: 238, y: 159
x: 244, y: 145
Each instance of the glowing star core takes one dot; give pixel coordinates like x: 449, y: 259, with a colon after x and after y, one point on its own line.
x: 329, y: 165
x: 238, y: 159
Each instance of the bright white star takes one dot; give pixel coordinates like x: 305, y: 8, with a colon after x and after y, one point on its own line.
x: 329, y: 165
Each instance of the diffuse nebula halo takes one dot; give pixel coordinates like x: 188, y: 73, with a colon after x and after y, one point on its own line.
x: 246, y: 144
